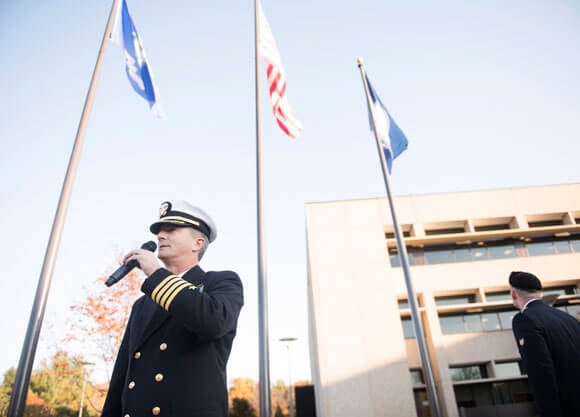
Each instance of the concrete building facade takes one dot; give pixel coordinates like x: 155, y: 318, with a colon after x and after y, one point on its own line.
x: 462, y: 247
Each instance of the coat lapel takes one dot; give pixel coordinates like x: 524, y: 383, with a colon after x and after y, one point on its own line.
x: 151, y: 316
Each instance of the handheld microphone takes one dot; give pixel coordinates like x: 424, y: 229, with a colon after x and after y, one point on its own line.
x: 124, y: 269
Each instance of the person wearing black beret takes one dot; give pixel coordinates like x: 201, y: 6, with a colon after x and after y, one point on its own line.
x: 549, y: 343
x: 173, y: 356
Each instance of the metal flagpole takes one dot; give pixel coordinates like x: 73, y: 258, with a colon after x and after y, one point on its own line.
x: 417, y: 321
x: 22, y: 379
x: 264, y: 359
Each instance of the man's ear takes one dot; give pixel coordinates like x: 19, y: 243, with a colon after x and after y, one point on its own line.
x: 198, y: 244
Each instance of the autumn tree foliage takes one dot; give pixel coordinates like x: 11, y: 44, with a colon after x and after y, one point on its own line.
x: 249, y: 390
x: 55, y: 388
x: 244, y: 388
x: 100, y: 319
x: 242, y: 408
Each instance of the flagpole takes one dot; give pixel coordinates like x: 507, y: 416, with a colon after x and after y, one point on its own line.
x: 416, y: 317
x: 22, y: 379
x: 264, y: 360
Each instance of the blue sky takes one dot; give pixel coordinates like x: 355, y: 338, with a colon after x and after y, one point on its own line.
x: 486, y: 92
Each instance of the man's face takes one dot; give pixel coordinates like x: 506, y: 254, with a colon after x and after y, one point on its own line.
x: 175, y: 243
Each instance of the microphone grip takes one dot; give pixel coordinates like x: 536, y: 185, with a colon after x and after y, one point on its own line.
x: 120, y: 273
x: 124, y: 269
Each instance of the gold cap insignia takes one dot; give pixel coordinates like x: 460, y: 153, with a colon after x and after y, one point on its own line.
x: 521, y: 341
x: 165, y: 207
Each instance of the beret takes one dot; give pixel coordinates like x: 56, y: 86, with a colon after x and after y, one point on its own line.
x: 525, y: 281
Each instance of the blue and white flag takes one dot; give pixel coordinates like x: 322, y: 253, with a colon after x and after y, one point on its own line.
x: 392, y: 137
x: 125, y: 34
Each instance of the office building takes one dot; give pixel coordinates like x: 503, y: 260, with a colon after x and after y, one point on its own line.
x: 462, y: 247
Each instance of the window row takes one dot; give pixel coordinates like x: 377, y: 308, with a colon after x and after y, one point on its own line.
x: 473, y: 372
x: 488, y: 395
x: 508, y: 248
x: 488, y: 224
x: 479, y: 322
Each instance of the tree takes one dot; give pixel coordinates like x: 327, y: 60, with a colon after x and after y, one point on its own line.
x: 59, y: 382
x: 55, y: 388
x: 6, y: 390
x: 244, y: 388
x: 278, y: 412
x: 279, y: 395
x: 101, y: 318
x: 242, y: 408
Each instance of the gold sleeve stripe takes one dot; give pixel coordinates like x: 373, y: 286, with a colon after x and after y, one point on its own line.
x: 162, y: 285
x: 175, y: 286
x: 167, y: 288
x: 166, y: 303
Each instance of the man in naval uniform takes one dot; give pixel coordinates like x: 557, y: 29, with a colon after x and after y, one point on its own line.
x: 549, y: 343
x: 172, y: 360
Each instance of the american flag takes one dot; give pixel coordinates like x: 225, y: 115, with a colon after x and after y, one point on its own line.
x: 284, y: 115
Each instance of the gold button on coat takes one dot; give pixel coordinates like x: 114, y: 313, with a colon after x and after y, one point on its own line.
x: 156, y: 411
x: 137, y: 355
x: 159, y: 377
x: 163, y: 346
x: 131, y: 384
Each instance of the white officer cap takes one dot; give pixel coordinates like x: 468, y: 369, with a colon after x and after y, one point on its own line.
x: 184, y: 214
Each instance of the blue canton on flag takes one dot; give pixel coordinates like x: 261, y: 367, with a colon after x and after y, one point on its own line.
x: 137, y: 67
x: 392, y: 137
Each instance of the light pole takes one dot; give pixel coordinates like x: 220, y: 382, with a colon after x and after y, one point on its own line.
x: 287, y: 341
x: 83, y: 363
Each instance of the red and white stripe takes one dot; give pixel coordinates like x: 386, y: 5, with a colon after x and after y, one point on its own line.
x: 283, y: 113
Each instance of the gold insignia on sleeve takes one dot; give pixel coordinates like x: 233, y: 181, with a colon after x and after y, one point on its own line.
x: 521, y: 341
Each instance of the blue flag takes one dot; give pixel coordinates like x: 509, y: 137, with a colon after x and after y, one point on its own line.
x: 137, y: 67
x: 392, y: 137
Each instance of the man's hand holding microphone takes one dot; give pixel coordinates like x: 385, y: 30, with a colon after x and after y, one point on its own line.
x: 143, y: 258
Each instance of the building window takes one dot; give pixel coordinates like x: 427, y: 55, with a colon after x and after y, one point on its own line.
x: 540, y: 248
x: 470, y: 323
x: 562, y: 246
x: 546, y: 223
x: 422, y: 402
x: 508, y: 369
x: 489, y: 394
x: 417, y: 377
x: 491, y: 227
x: 494, y: 297
x: 452, y: 324
x: 447, y: 231
x: 569, y: 290
x: 505, y: 319
x: 408, y: 330
x: 439, y: 257
x: 490, y: 322
x: 405, y: 228
x: 489, y: 249
x: 473, y: 323
x: 449, y: 300
x: 502, y: 252
x: 468, y: 372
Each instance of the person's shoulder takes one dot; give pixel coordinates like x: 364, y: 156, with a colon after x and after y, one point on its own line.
x: 140, y: 300
x: 224, y: 275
